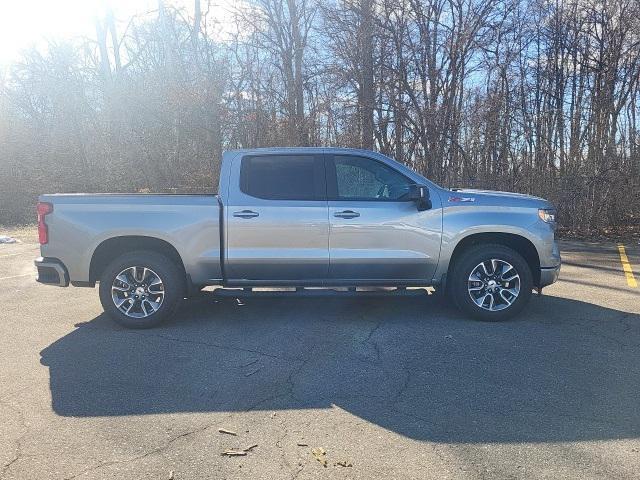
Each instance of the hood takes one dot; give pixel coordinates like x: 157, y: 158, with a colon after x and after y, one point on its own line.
x: 471, y: 196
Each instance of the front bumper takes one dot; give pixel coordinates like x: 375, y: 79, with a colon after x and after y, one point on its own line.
x: 51, y: 272
x: 549, y: 275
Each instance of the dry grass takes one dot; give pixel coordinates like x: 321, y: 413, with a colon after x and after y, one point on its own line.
x: 24, y: 233
x: 623, y: 233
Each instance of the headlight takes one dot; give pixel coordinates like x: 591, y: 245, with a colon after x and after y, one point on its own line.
x: 547, y: 215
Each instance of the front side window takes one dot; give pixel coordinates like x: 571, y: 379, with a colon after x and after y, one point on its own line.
x: 360, y: 178
x: 283, y: 177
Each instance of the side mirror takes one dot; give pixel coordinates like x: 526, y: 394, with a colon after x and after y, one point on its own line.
x: 420, y: 195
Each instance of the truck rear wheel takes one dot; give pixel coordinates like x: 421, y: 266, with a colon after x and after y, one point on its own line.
x: 491, y: 282
x: 141, y: 289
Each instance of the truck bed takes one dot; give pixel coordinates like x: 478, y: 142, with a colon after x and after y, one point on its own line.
x: 80, y: 223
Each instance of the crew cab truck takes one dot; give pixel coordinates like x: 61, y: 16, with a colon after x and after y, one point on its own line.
x: 300, y: 217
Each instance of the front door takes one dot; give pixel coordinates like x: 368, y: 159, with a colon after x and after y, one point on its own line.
x: 277, y: 226
x: 376, y: 233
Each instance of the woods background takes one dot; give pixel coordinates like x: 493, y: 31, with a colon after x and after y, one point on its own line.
x: 534, y: 96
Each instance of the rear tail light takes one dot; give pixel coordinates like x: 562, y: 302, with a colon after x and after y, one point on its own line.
x: 43, y: 209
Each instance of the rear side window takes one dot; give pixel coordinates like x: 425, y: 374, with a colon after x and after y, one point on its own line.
x: 283, y: 177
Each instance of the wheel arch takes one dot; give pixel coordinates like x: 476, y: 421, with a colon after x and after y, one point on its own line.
x: 519, y: 243
x: 113, y: 247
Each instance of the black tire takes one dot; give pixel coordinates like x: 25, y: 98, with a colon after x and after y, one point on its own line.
x: 173, y: 288
x: 458, y: 282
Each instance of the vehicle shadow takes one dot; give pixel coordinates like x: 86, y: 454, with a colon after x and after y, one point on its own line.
x: 564, y: 371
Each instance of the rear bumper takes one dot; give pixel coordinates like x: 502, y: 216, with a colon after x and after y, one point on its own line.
x: 549, y: 275
x: 51, y: 272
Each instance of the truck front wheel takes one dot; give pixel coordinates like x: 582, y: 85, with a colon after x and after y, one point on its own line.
x: 141, y: 289
x: 491, y: 282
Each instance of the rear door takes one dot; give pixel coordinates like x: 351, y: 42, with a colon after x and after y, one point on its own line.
x: 377, y: 234
x: 277, y: 227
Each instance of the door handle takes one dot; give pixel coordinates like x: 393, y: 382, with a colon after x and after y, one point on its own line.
x: 346, y: 214
x: 246, y: 214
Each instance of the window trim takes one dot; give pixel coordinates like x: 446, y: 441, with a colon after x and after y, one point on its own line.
x: 332, y: 180
x: 320, y: 193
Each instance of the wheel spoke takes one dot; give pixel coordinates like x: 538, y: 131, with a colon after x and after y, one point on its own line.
x: 494, y: 266
x: 133, y: 302
x: 131, y: 273
x: 145, y: 274
x: 137, y: 270
x: 512, y: 291
x: 122, y: 278
x: 505, y: 298
x: 152, y: 304
x: 484, y: 267
x: 512, y: 277
x: 480, y: 300
x: 119, y: 303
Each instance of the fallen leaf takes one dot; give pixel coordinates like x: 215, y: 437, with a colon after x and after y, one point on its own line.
x: 228, y: 432
x: 321, y: 455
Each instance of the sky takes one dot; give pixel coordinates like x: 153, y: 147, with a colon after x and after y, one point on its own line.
x: 24, y: 23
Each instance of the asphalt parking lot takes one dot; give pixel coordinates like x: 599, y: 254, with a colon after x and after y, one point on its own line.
x: 401, y: 388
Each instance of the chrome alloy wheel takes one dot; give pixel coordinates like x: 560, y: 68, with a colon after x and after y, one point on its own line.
x: 137, y: 292
x: 494, y: 285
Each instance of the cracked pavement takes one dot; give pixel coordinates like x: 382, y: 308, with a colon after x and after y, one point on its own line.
x: 400, y: 388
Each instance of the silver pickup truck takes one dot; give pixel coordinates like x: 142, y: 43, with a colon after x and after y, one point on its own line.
x: 301, y: 217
